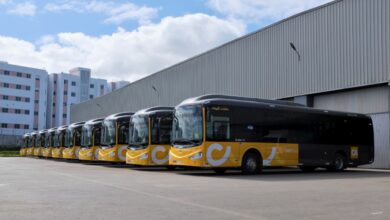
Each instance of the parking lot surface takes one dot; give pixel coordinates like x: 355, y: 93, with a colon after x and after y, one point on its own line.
x: 54, y: 189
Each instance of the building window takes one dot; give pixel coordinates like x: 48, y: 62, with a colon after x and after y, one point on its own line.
x: 6, y: 85
x: 90, y: 96
x: 54, y: 93
x: 36, y: 101
x: 36, y: 113
x: 17, y: 98
x: 18, y: 74
x: 65, y: 92
x: 18, y: 86
x: 64, y: 115
x: 6, y: 72
x: 73, y: 94
x: 17, y: 111
x: 92, y: 86
x: 65, y: 81
x: 28, y: 88
x: 26, y: 126
x: 73, y: 83
x: 27, y: 99
x: 37, y: 79
x: 28, y: 76
x: 5, y: 97
x: 65, y: 104
x: 53, y: 116
x: 36, y: 129
x: 4, y: 110
x: 54, y: 104
x: 17, y: 126
x: 101, y: 86
x: 3, y: 125
x: 55, y: 81
x: 26, y: 112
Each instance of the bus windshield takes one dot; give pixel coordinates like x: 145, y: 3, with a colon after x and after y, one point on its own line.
x: 25, y: 142
x: 187, y: 125
x: 56, y: 140
x: 86, y: 136
x: 36, y: 141
x: 108, y: 136
x: 139, y: 131
x: 68, y: 138
x: 47, y: 140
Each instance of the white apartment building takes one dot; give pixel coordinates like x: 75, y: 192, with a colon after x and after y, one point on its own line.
x: 117, y: 85
x: 71, y: 88
x: 23, y: 99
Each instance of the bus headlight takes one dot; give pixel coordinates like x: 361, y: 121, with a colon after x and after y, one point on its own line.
x: 196, y: 156
x: 144, y: 156
x: 112, y: 154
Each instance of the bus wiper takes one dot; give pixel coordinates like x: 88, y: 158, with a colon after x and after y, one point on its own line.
x: 185, y: 141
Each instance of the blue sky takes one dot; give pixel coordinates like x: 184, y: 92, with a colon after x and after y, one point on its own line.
x: 128, y: 39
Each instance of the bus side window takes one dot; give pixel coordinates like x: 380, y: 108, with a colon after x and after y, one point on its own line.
x: 97, y: 135
x: 123, y: 132
x: 218, y: 124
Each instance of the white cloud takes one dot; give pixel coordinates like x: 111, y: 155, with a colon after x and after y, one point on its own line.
x: 260, y: 10
x: 3, y: 2
x: 26, y: 8
x: 127, y: 55
x: 116, y: 13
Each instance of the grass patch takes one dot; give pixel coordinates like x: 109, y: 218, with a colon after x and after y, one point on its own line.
x: 9, y: 153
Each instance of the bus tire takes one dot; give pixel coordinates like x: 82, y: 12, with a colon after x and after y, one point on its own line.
x: 307, y: 169
x: 219, y: 170
x: 252, y: 163
x: 339, y: 163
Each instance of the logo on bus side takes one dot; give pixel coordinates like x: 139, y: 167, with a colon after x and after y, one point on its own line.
x: 154, y: 155
x: 218, y: 147
x: 267, y: 162
x: 122, y: 153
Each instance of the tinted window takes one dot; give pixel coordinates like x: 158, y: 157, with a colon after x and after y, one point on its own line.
x: 161, y: 129
x: 123, y: 132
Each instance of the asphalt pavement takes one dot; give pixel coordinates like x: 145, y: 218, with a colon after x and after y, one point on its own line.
x: 54, y: 189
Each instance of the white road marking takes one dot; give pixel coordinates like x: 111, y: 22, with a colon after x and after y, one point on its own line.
x: 377, y: 213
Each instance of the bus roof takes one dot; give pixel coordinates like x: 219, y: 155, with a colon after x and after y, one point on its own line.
x: 254, y: 102
x: 121, y: 115
x: 76, y: 125
x: 94, y: 122
x: 153, y: 110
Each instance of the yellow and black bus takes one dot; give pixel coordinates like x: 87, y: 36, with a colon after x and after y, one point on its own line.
x: 150, y: 137
x: 31, y: 143
x: 90, y: 139
x: 114, y: 137
x: 72, y: 141
x: 59, y: 142
x: 39, y: 143
x: 49, y: 143
x: 223, y: 132
x: 25, y: 145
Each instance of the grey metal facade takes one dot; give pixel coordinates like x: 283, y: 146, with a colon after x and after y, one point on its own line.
x: 344, y: 64
x: 343, y: 44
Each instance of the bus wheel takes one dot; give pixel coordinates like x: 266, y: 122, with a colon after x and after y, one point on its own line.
x: 307, y: 169
x: 339, y: 163
x: 219, y: 170
x: 252, y: 163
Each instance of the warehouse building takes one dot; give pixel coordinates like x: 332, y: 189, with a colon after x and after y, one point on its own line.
x: 333, y: 57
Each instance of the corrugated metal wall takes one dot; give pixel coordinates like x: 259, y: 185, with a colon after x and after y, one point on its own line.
x: 364, y: 100
x: 342, y: 45
x: 381, y: 131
